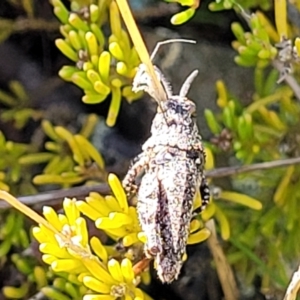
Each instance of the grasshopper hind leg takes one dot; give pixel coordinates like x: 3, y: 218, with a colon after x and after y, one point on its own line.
x: 139, y: 164
x: 205, y: 196
x: 204, y: 192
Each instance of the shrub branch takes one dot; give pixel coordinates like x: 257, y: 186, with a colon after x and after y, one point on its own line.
x: 56, y: 196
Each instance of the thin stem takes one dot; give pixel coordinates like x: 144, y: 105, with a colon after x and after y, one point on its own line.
x: 223, y: 268
x: 26, y: 210
x: 21, y: 25
x: 230, y: 171
x: 54, y: 197
x: 140, y: 45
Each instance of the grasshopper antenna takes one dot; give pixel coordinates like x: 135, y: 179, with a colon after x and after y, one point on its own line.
x: 165, y: 83
x: 187, y: 84
x: 169, y: 42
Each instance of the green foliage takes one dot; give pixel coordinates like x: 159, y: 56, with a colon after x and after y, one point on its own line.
x: 263, y: 243
x: 100, y: 67
x: 70, y: 159
x: 26, y: 21
x: 187, y: 14
x: 254, y: 132
x: 255, y: 47
x: 13, y: 233
x: 12, y: 175
x: 18, y: 104
x: 260, y: 242
x: 245, y: 4
x: 193, y: 5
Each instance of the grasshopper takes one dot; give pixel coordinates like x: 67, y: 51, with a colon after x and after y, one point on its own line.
x: 172, y: 161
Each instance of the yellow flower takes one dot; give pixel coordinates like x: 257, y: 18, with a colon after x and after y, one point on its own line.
x: 69, y: 250
x: 112, y: 213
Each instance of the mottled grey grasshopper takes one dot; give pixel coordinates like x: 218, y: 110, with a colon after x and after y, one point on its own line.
x: 172, y: 160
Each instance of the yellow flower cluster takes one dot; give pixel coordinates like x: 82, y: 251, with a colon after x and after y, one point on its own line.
x: 120, y: 221
x: 70, y: 250
x: 112, y: 213
x: 97, y: 71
